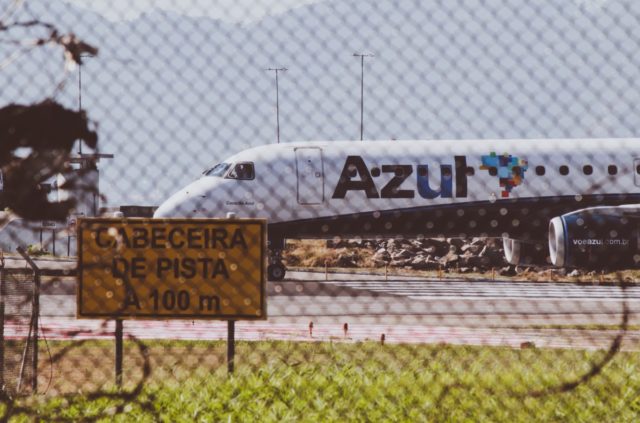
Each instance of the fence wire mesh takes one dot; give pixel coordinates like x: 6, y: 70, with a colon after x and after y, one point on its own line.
x: 450, y: 191
x: 17, y: 371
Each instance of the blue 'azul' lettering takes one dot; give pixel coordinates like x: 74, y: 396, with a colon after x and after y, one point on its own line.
x: 446, y: 182
x: 356, y: 176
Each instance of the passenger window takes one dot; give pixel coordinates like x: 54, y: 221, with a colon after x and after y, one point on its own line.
x: 217, y: 170
x: 242, y: 171
x: 564, y: 170
x: 587, y: 169
x: 540, y: 171
x: 638, y: 169
x: 613, y: 170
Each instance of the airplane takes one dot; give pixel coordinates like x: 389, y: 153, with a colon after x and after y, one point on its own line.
x: 570, y: 202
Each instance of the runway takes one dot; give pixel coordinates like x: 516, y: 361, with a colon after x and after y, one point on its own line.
x: 404, y: 309
x: 414, y: 300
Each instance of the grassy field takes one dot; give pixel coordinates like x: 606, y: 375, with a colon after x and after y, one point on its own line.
x: 283, y: 381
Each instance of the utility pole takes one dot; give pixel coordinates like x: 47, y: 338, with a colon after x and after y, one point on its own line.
x: 80, y: 99
x: 276, y: 70
x: 362, y: 56
x: 87, y: 190
x: 82, y: 56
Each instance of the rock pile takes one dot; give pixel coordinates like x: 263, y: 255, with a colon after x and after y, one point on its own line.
x: 463, y: 255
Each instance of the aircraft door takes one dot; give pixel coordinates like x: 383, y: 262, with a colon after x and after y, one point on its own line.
x: 636, y: 171
x: 310, y: 175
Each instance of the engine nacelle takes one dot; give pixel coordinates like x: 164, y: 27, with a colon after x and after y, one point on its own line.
x: 597, y: 237
x: 517, y: 252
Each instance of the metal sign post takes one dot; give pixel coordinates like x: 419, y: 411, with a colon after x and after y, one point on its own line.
x: 119, y: 353
x: 231, y: 345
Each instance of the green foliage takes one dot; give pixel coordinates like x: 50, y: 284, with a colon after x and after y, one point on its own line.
x: 286, y: 381
x: 35, y: 250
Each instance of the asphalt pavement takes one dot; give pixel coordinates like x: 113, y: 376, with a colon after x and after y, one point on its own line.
x: 404, y: 308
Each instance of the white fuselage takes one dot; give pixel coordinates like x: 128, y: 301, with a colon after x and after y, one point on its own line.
x: 308, y: 181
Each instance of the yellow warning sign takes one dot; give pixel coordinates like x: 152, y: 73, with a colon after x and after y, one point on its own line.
x: 171, y: 268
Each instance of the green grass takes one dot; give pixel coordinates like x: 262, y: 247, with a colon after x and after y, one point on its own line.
x: 286, y: 381
x: 576, y: 326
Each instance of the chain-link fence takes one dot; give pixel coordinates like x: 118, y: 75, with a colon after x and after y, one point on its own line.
x: 18, y: 359
x: 448, y: 191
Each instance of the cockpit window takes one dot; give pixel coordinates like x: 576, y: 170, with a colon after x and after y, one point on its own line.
x: 217, y: 170
x: 242, y: 171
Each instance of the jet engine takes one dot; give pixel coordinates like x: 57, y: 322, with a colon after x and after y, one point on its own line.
x: 597, y: 238
x: 518, y: 252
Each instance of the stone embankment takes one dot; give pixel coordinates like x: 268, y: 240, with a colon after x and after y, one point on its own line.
x: 463, y: 255
x: 452, y: 255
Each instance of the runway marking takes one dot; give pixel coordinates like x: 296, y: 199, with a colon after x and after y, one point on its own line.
x: 72, y: 329
x: 491, y: 291
x: 514, y: 298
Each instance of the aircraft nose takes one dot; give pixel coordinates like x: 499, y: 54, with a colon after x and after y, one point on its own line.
x: 195, y: 200
x: 165, y: 210
x: 179, y: 205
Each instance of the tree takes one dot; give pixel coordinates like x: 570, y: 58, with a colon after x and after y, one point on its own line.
x: 47, y: 130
